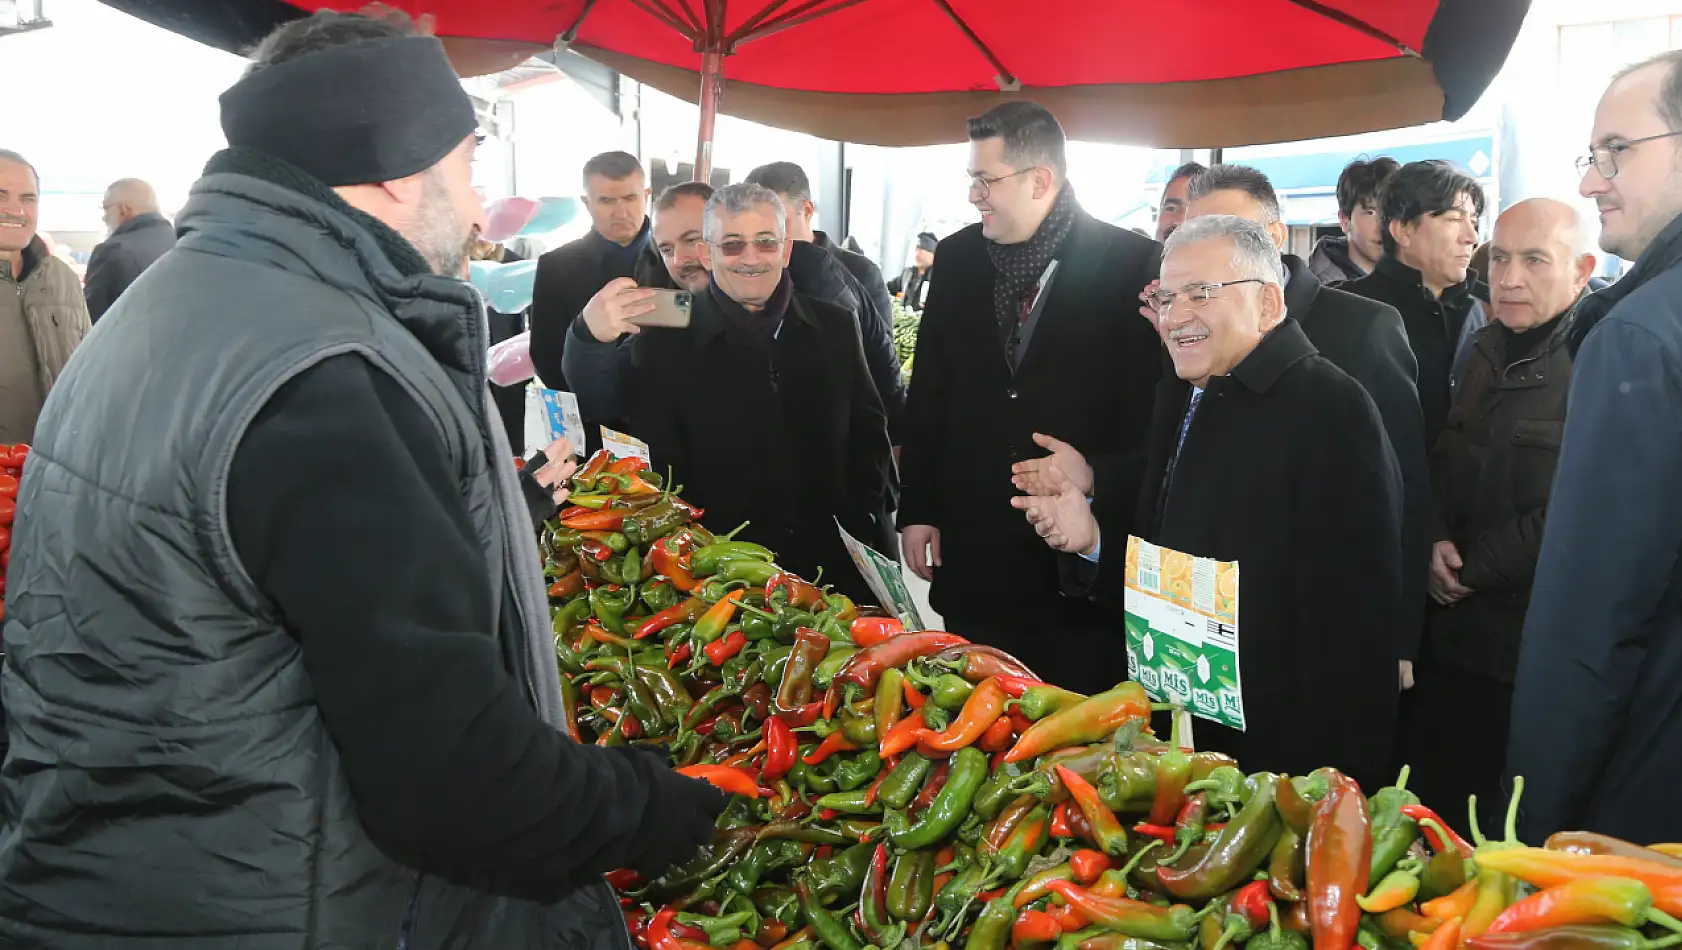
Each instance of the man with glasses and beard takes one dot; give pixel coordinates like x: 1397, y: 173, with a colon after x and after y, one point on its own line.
x: 763, y: 406
x: 277, y: 630
x: 1028, y: 334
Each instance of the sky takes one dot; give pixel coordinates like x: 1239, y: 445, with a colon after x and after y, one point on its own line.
x: 101, y: 96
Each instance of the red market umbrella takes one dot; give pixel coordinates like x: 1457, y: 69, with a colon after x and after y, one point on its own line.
x: 907, y: 72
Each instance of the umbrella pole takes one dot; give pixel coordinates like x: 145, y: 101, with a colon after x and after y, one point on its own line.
x: 712, y: 89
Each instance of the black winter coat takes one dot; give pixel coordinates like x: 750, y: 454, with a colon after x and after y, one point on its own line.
x: 1438, y: 329
x: 1087, y: 378
x: 1493, y: 469
x: 1286, y: 469
x: 134, y: 246
x: 788, y: 438
x: 1365, y: 339
x: 1597, y: 715
x: 876, y: 322
x: 567, y: 278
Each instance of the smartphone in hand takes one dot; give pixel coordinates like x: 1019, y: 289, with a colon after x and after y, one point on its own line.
x: 671, y: 309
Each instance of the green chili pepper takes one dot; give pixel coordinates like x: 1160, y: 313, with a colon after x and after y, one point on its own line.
x: 811, y: 778
x: 754, y: 572
x: 757, y: 627
x: 992, y: 928
x: 1392, y: 832
x: 999, y: 791
x: 766, y: 856
x: 1239, y: 849
x: 740, y: 672
x: 952, y: 805
x: 841, y: 874
x: 1023, y: 844
x: 1224, y: 784
x: 859, y: 730
x: 1287, y: 864
x: 903, y: 783
x: 788, y: 620
x: 654, y: 522
x: 777, y: 903
x: 1275, y: 937
x: 1126, y: 778
x: 1443, y: 874
x: 848, y: 802
x: 858, y: 771
x: 609, y: 608
x: 950, y: 691
x: 726, y: 848
x: 911, y: 888
x: 704, y: 560
x: 832, y: 932
x: 657, y: 597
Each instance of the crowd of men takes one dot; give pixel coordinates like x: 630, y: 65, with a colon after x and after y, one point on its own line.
x: 276, y: 629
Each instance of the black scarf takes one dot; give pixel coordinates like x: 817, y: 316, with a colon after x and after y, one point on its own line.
x: 1020, y: 265
x: 760, y: 324
x: 1664, y: 253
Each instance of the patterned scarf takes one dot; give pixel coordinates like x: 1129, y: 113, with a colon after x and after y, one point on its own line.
x: 1020, y: 265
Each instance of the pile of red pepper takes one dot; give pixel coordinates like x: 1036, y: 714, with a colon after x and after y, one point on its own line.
x: 904, y: 789
x: 12, y: 458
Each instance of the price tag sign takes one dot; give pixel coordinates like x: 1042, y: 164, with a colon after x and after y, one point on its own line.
x: 1182, y: 631
x: 885, y: 578
x: 622, y: 446
x: 562, y: 419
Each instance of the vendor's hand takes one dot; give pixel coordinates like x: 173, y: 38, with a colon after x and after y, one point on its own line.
x: 1405, y: 674
x: 555, y: 473
x: 1446, y: 588
x: 921, y: 545
x: 1064, y: 468
x: 1145, y: 309
x: 1065, y: 521
x: 610, y: 312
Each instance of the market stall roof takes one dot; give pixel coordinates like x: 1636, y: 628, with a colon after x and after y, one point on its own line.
x: 907, y: 72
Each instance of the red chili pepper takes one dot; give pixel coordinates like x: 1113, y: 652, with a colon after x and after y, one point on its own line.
x: 661, y: 937
x: 670, y: 558
x: 1107, y: 832
x: 1089, y: 865
x: 724, y: 778
x: 870, y: 793
x: 1253, y: 901
x: 1069, y: 917
x: 1087, y: 721
x: 1060, y: 821
x: 1034, y: 926
x: 636, y: 921
x: 983, y: 707
x: 679, y: 655
x: 595, y: 549
x: 1591, y: 900
x: 781, y: 750
x: 627, y: 465
x: 1162, y: 833
x: 720, y: 650
x: 869, y: 631
x: 623, y: 879
x: 913, y: 696
x: 905, y: 734
x: 1015, y: 686
x: 712, y: 623
x: 932, y: 788
x: 863, y: 668
x: 998, y: 736
x: 1018, y: 722
x: 1446, y: 937
x: 1422, y: 815
x: 1339, y: 861
x: 684, y: 612
x: 572, y: 583
x: 596, y: 519
x: 800, y: 594
x: 833, y: 743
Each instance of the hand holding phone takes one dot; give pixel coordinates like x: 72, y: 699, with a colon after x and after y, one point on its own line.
x: 671, y: 309
x: 612, y: 312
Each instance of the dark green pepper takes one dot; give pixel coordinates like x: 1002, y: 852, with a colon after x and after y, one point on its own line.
x: 911, y: 888
x: 831, y: 665
x: 754, y: 572
x: 903, y: 783
x: 833, y: 933
x: 726, y: 848
x: 764, y: 857
x: 949, y: 809
x: 1443, y: 874
x: 1392, y: 832
x: 1239, y: 849
x: 1275, y: 937
x: 811, y: 778
x: 657, y: 597
x: 848, y: 803
x: 1287, y: 864
x: 740, y: 672
x: 999, y: 791
x: 654, y: 522
x: 992, y: 928
x: 631, y: 567
x: 756, y: 627
x: 651, y: 669
x: 777, y: 903
x: 609, y: 607
x: 859, y: 730
x: 841, y: 873
x: 788, y: 620
x: 858, y: 771
x: 960, y: 891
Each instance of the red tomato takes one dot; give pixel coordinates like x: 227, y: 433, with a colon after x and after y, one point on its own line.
x: 8, y: 485
x: 8, y: 510
x: 16, y: 455
x: 5, y: 538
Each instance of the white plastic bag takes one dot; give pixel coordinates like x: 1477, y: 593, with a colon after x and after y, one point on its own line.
x: 510, y: 360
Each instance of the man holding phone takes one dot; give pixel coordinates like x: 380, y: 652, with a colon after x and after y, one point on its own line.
x: 760, y: 369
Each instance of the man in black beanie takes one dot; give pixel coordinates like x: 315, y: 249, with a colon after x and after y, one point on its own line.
x: 280, y: 671
x: 913, y: 285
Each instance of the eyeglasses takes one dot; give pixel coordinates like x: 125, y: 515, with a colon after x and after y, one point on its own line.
x: 1604, y: 158
x: 1197, y: 295
x: 737, y: 248
x: 980, y: 186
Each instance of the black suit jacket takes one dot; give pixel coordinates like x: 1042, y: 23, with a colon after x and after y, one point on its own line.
x: 130, y: 249
x: 1087, y: 377
x: 1366, y: 339
x: 876, y: 322
x: 787, y: 437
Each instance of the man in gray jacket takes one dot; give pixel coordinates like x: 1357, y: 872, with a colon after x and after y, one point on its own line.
x: 280, y: 672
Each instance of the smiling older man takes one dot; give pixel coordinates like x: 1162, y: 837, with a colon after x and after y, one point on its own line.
x: 776, y: 372
x: 1263, y: 452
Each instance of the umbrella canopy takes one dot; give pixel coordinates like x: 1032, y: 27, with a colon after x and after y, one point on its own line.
x: 907, y: 72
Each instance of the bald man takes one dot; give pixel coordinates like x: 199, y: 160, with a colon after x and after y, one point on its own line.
x: 139, y: 236
x: 1492, y: 472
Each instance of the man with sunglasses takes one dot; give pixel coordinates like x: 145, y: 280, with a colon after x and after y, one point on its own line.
x: 1263, y: 452
x: 1029, y: 334
x: 763, y: 407
x: 1596, y: 724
